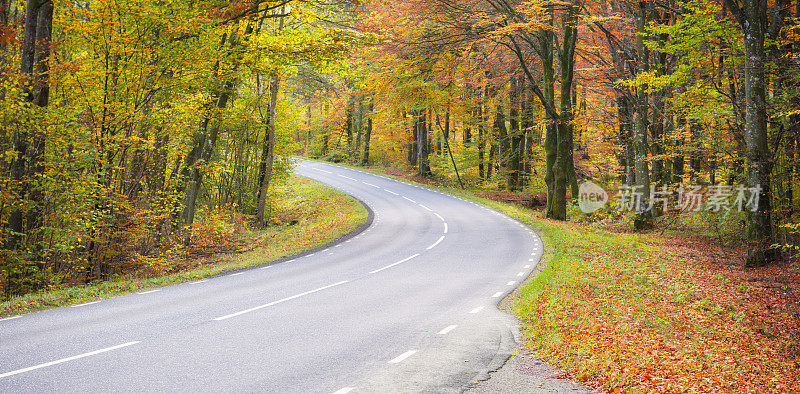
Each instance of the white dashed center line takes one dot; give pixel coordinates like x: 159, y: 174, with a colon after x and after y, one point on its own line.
x: 402, y: 357
x: 430, y: 210
x: 279, y: 301
x: 445, y: 227
x: 409, y: 199
x: 447, y: 329
x: 63, y: 360
x: 344, y: 390
x: 476, y: 310
x: 439, y: 216
x: 392, y: 265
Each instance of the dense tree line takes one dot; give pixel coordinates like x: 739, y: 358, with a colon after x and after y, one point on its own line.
x: 126, y: 126
x: 666, y: 95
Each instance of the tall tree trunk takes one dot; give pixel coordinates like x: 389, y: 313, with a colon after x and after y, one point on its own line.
x: 503, y: 142
x: 481, y: 144
x: 270, y: 144
x: 547, y: 46
x: 359, y: 128
x: 640, y: 144
x: 28, y: 165
x: 423, y: 168
x: 412, y: 142
x: 368, y: 133
x: 349, y: 126
x: 564, y: 171
x: 515, y: 136
x: 752, y: 17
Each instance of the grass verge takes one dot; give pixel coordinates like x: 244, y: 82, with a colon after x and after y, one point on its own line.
x: 308, y: 214
x: 627, y: 312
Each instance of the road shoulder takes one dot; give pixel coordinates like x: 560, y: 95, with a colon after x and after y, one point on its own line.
x: 520, y: 371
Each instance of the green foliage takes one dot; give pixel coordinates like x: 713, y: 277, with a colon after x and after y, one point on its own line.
x: 145, y: 97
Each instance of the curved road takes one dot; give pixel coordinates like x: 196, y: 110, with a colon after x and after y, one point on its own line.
x: 409, y: 304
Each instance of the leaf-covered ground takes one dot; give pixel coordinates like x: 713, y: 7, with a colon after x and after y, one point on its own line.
x: 639, y: 313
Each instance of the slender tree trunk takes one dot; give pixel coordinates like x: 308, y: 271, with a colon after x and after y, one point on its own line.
x: 423, y: 168
x: 515, y: 139
x: 640, y: 144
x: 481, y: 144
x: 368, y: 133
x: 547, y: 46
x: 349, y: 127
x: 359, y: 128
x: 752, y: 17
x: 504, y: 142
x: 412, y: 143
x: 261, y: 215
x: 564, y: 171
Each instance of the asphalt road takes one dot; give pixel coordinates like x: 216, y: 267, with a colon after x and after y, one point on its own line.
x: 407, y: 305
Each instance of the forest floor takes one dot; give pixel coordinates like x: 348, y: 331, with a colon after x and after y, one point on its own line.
x: 625, y: 311
x: 306, y: 215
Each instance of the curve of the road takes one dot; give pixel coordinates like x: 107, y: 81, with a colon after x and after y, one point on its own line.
x: 407, y: 305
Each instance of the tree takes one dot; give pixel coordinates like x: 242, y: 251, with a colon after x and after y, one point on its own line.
x: 752, y: 16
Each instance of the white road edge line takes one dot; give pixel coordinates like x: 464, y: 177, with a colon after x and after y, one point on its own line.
x: 435, y: 243
x: 197, y: 282
x: 476, y: 310
x: 344, y: 390
x: 497, y: 295
x: 63, y: 360
x: 148, y: 291
x: 521, y: 274
x: 279, y: 301
x: 409, y: 199
x: 511, y: 283
x: 402, y: 357
x: 392, y: 265
x: 10, y: 318
x: 447, y: 329
x: 527, y: 266
x: 236, y: 274
x: 84, y: 304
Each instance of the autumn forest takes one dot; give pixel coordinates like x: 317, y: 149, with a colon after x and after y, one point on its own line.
x: 134, y: 134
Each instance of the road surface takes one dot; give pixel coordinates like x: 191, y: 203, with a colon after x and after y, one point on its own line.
x: 407, y: 305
